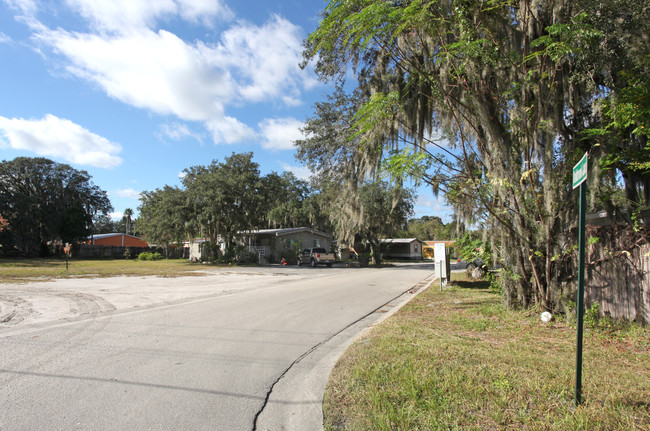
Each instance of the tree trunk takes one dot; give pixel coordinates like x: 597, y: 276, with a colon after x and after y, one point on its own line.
x: 375, y: 248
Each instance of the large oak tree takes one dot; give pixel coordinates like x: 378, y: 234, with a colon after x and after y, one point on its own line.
x: 493, y: 102
x: 45, y: 201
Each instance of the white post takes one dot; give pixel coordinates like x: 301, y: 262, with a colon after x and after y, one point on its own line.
x: 441, y: 258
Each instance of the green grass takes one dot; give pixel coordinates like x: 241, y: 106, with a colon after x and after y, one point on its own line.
x: 458, y: 360
x: 17, y: 270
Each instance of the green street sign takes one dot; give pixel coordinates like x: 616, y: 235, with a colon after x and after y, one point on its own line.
x: 580, y: 171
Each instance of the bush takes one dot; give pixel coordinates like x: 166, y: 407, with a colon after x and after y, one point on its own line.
x: 244, y: 256
x: 495, y: 283
x: 147, y: 255
x: 238, y: 255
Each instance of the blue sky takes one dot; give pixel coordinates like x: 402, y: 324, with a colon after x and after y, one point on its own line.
x: 135, y: 91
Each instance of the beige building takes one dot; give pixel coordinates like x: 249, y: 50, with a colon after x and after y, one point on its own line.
x: 401, y: 248
x: 274, y: 244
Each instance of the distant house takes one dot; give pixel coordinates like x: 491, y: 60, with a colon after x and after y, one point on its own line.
x: 275, y: 244
x: 196, y: 250
x: 117, y: 240
x: 401, y: 248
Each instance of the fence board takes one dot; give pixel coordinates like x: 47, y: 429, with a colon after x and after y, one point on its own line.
x: 619, y: 283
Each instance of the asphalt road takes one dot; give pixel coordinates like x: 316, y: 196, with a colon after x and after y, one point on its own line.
x: 250, y: 351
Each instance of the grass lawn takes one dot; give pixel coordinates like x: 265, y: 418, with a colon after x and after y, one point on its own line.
x: 16, y: 270
x: 458, y: 359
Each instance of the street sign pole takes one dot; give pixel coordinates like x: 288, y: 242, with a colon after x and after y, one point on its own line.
x: 579, y: 179
x: 581, y: 290
x: 66, y: 251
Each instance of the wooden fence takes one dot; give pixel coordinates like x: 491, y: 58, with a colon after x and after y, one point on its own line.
x: 618, y: 274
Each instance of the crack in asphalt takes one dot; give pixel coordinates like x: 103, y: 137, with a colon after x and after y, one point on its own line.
x: 412, y: 289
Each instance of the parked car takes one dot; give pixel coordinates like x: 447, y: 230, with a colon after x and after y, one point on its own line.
x: 316, y: 256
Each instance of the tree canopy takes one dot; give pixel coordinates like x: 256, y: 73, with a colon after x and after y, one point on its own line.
x: 45, y: 201
x: 360, y: 206
x: 222, y: 199
x: 165, y: 215
x: 225, y: 195
x: 492, y: 103
x: 384, y: 210
x: 429, y: 228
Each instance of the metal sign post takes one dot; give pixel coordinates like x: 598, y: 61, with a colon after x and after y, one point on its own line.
x: 579, y: 179
x: 66, y: 251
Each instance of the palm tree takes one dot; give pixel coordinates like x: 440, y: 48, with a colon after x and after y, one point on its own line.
x: 127, y: 219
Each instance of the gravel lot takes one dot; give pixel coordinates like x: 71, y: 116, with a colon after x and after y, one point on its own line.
x: 37, y: 302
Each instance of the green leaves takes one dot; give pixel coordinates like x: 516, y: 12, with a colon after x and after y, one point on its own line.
x: 567, y: 39
x: 45, y: 201
x: 518, y: 89
x: 222, y: 199
x: 407, y: 163
x: 372, y: 115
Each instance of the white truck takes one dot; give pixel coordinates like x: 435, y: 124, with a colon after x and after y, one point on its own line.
x: 316, y: 256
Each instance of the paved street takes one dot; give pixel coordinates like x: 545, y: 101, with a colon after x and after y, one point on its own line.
x: 235, y: 349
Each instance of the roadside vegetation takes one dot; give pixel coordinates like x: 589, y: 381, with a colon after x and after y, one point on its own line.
x: 491, y: 104
x: 459, y: 359
x: 17, y: 270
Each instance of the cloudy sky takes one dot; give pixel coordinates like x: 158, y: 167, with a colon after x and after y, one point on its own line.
x: 135, y: 91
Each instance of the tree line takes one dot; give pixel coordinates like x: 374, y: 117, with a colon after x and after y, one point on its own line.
x: 44, y: 204
x: 217, y: 201
x: 223, y: 199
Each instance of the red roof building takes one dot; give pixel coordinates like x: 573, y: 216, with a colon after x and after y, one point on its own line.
x: 117, y: 240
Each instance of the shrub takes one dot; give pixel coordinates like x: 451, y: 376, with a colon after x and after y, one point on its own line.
x: 147, y: 255
x: 495, y: 283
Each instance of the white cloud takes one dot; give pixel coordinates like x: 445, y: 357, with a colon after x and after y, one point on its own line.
x: 177, y: 132
x: 131, y: 61
x: 25, y: 7
x: 203, y: 11
x: 128, y: 193
x: 59, y: 138
x: 266, y: 60
x: 280, y: 133
x: 300, y: 172
x: 4, y: 38
x: 125, y: 15
x: 432, y: 206
x: 154, y: 71
x: 229, y: 130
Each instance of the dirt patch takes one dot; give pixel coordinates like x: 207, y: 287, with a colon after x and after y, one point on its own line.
x: 24, y: 303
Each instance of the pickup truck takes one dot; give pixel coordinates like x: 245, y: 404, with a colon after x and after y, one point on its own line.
x: 316, y: 256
